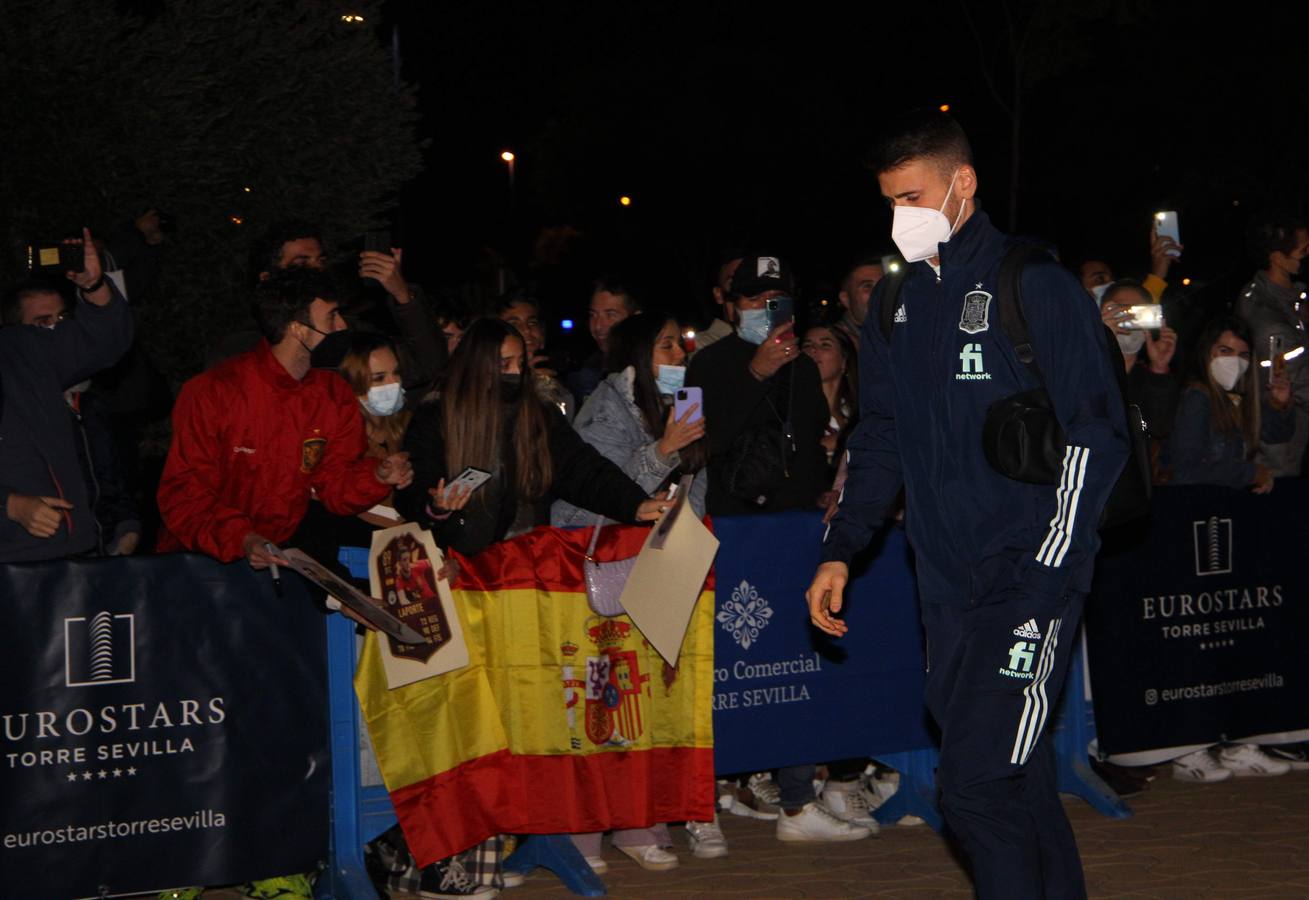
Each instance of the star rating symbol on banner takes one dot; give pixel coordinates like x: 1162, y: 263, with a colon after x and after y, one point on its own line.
x: 1214, y: 645
x: 102, y: 774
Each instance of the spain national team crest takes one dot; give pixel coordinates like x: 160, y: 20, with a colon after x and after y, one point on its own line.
x: 614, y: 685
x: 977, y: 312
x: 311, y: 452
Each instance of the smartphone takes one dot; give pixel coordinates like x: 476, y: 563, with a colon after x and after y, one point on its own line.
x: 1165, y: 225
x: 1144, y: 317
x: 377, y: 242
x: 470, y: 479
x: 684, y: 399
x: 55, y: 257
x: 1277, y: 356
x: 781, y: 311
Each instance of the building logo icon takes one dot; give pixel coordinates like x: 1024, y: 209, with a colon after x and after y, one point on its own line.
x: 745, y: 614
x: 99, y: 650
x: 1213, y: 546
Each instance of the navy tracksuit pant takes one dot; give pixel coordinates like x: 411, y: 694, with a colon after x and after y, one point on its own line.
x: 995, y: 671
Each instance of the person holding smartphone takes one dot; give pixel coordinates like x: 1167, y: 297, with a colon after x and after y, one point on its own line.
x: 1273, y: 303
x: 632, y: 419
x: 489, y: 415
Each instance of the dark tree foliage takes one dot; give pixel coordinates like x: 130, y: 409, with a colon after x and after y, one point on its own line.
x: 226, y: 116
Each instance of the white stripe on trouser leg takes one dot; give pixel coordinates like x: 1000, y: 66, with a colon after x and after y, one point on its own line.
x: 1036, y: 706
x: 1061, y: 497
x: 1034, y: 698
x: 1072, y: 510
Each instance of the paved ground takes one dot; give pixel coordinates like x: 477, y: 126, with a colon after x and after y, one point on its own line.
x: 1246, y: 838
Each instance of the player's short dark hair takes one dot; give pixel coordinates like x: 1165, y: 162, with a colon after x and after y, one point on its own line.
x: 921, y: 134
x: 11, y: 305
x: 858, y: 262
x: 517, y: 295
x: 284, y: 297
x: 1271, y: 233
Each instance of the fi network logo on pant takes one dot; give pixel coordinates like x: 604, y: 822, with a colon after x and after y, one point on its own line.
x: 970, y: 364
x: 99, y: 650
x: 1213, y: 546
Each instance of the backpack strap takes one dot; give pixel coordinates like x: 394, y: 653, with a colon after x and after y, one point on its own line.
x: 1012, y: 319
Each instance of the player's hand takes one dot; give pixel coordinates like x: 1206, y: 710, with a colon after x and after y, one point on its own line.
x: 451, y: 498
x: 780, y: 348
x: 257, y: 553
x: 396, y: 470
x: 385, y: 269
x: 39, y: 516
x: 825, y: 597
x: 1263, y: 479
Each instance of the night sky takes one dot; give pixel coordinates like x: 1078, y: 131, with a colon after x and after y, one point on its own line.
x: 730, y: 123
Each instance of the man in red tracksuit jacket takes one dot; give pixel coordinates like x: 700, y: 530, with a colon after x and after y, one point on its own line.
x: 255, y: 435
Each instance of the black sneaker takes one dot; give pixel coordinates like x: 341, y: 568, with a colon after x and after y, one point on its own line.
x: 446, y: 879
x: 1295, y: 754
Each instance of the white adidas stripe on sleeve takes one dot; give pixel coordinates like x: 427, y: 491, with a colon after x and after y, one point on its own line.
x: 1060, y: 536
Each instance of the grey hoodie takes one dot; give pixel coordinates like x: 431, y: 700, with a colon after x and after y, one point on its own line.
x: 611, y: 422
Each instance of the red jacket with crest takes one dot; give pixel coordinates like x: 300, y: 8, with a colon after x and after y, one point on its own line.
x: 249, y: 443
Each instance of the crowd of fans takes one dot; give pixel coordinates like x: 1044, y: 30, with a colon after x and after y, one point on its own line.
x: 302, y: 426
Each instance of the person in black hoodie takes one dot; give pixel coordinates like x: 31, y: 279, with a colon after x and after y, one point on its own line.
x: 48, y: 514
x: 766, y: 402
x: 488, y: 416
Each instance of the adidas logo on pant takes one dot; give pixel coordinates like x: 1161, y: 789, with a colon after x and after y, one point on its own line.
x: 1028, y: 630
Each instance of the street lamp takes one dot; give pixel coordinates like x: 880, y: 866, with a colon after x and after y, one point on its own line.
x: 508, y: 157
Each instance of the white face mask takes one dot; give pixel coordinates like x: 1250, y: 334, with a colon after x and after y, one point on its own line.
x: 919, y: 232
x: 1098, y: 291
x: 753, y: 326
x: 384, y: 399
x: 1131, y: 343
x: 1227, y: 370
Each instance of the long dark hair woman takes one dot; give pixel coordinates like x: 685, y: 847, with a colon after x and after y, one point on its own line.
x: 1227, y: 410
x: 630, y: 417
x: 490, y: 417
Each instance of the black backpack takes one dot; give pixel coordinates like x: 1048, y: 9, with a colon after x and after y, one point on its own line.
x: 1021, y: 437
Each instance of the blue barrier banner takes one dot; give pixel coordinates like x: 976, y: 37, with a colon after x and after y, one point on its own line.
x: 784, y: 693
x: 1196, y: 623
x: 164, y: 723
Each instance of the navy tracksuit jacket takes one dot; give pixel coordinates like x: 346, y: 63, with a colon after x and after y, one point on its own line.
x: 1002, y: 565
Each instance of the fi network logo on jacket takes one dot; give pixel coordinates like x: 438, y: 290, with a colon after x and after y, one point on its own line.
x: 970, y: 364
x: 99, y: 650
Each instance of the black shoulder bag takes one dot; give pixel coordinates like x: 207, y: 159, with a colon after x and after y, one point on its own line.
x: 1022, y: 437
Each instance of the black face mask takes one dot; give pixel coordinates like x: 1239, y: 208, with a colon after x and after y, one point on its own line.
x: 331, y: 350
x: 511, y: 387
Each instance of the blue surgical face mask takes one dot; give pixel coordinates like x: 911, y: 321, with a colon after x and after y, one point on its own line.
x: 670, y: 379
x: 753, y: 326
x: 384, y: 399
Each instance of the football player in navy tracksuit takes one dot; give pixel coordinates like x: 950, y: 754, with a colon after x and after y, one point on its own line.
x: 1003, y: 566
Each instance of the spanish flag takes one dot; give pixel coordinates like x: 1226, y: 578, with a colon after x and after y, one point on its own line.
x: 562, y: 722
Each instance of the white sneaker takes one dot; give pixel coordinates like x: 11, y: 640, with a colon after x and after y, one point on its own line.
x: 706, y: 839
x: 597, y: 864
x: 651, y: 857
x: 847, y: 800
x: 1247, y: 760
x: 513, y: 879
x: 816, y: 822
x: 1199, y: 766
